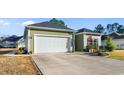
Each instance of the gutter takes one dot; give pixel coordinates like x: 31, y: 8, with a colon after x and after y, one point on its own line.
x: 47, y: 28
x: 91, y: 33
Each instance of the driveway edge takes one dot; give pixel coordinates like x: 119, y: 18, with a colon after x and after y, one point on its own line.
x: 35, y: 65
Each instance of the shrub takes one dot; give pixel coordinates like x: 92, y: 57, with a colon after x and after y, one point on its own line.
x: 90, y: 46
x: 102, y: 54
x: 22, y: 50
x: 110, y: 46
x: 102, y: 48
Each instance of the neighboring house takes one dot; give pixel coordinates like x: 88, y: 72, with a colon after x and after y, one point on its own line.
x: 1, y: 41
x: 118, y: 39
x: 10, y: 42
x: 84, y: 37
x: 20, y: 43
x: 48, y: 37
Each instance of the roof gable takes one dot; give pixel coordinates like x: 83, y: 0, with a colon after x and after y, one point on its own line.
x: 114, y: 35
x: 12, y: 38
x: 50, y: 25
x: 86, y: 30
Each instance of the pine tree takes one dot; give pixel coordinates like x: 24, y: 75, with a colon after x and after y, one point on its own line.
x: 110, y: 46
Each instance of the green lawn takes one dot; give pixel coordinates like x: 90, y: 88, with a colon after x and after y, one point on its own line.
x: 117, y: 54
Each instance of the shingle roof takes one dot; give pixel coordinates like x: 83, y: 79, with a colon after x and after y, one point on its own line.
x: 50, y: 25
x: 86, y: 30
x: 12, y: 38
x: 114, y: 35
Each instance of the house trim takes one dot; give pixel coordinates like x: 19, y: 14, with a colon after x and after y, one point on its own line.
x: 53, y: 29
x: 52, y: 35
x: 28, y: 40
x: 85, y: 33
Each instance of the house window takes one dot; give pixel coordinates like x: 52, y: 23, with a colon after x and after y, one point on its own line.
x: 95, y: 42
x: 121, y: 46
x: 118, y: 46
x: 89, y: 40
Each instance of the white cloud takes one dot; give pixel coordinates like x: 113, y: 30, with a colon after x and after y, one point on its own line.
x: 2, y: 22
x: 18, y: 23
x: 6, y: 23
x: 27, y: 22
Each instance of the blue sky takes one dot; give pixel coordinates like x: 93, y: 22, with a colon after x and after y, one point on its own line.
x: 15, y: 26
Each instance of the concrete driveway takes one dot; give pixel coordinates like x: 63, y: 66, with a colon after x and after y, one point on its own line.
x: 77, y: 64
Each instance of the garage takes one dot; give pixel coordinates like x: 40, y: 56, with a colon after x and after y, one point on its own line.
x: 48, y: 37
x: 51, y: 44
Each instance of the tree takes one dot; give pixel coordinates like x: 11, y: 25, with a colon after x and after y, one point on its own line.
x: 116, y: 24
x: 121, y: 29
x: 60, y: 22
x: 114, y: 27
x: 110, y: 46
x: 109, y: 28
x: 54, y: 20
x: 99, y: 28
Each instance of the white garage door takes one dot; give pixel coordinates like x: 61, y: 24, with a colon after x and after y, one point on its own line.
x: 51, y: 44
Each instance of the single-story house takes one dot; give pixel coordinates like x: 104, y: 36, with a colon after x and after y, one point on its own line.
x: 118, y: 40
x: 10, y: 42
x: 84, y: 36
x: 20, y: 43
x: 48, y: 37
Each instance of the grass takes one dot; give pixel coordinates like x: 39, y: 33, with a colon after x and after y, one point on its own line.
x: 117, y: 54
x: 17, y: 65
